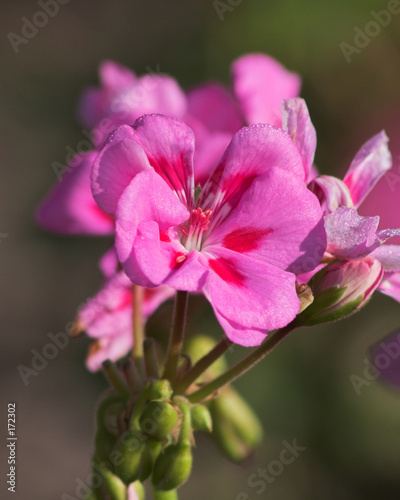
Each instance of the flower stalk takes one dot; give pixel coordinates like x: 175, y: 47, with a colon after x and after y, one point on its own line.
x: 243, y: 365
x: 177, y: 336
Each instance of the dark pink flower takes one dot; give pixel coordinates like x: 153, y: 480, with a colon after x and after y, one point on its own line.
x: 238, y: 241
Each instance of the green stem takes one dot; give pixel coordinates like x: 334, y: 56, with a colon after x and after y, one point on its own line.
x: 150, y: 359
x: 176, y: 338
x: 202, y: 365
x: 165, y: 495
x: 115, y: 379
x: 243, y: 365
x: 138, y: 330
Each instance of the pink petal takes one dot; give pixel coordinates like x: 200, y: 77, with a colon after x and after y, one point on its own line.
x: 390, y: 285
x: 368, y: 166
x: 115, y: 76
x: 171, y: 154
x: 109, y: 263
x: 331, y: 192
x: 388, y: 256
x: 249, y: 297
x: 115, y: 166
x: 277, y: 221
x: 145, y: 244
x: 207, y: 155
x: 213, y: 106
x: 252, y: 152
x: 296, y: 121
x: 150, y: 94
x: 260, y: 84
x: 70, y: 208
x: 351, y: 236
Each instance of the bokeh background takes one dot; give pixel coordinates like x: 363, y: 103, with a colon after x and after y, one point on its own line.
x: 303, y: 390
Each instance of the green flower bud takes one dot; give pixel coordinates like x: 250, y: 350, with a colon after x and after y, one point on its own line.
x: 159, y: 390
x: 172, y: 467
x: 340, y: 289
x: 139, y: 490
x: 201, y: 418
x: 236, y: 428
x: 136, y: 459
x: 116, y: 489
x: 158, y: 419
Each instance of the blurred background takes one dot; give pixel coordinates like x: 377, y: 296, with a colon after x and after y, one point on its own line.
x: 303, y: 390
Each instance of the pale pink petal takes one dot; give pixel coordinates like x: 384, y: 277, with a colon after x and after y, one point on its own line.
x: 69, y: 208
x: 146, y: 245
x: 115, y: 166
x: 214, y: 106
x: 351, y: 236
x: 390, y: 285
x: 296, y: 121
x: 249, y: 297
x: 252, y: 152
x: 278, y: 221
x: 260, y: 84
x: 331, y: 192
x: 389, y: 257
x: 370, y: 163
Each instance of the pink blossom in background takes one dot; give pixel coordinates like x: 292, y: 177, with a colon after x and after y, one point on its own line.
x: 69, y: 208
x: 240, y: 241
x: 107, y: 317
x: 213, y: 111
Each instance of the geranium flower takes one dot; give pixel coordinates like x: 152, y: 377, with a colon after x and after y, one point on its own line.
x: 212, y: 111
x: 107, y: 317
x: 239, y: 240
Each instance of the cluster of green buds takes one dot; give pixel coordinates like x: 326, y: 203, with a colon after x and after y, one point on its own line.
x: 145, y: 429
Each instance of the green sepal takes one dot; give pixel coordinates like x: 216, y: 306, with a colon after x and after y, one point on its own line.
x: 201, y: 418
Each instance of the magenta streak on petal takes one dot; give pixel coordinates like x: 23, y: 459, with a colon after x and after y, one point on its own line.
x: 165, y: 238
x: 178, y: 258
x: 245, y: 239
x: 227, y: 271
x: 174, y: 175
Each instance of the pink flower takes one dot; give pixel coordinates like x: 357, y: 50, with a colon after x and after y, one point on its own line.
x: 107, y: 317
x: 239, y: 241
x: 69, y: 208
x: 211, y: 110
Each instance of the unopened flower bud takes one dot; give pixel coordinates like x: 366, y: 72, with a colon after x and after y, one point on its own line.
x: 159, y: 390
x: 201, y: 418
x: 136, y: 491
x: 158, y: 419
x: 236, y: 428
x: 113, y: 484
x: 172, y: 467
x: 340, y: 289
x: 136, y: 458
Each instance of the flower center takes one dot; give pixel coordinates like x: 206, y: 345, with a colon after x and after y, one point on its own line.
x: 194, y: 229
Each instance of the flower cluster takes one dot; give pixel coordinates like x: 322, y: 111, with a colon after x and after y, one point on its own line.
x: 200, y: 202
x: 213, y: 191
